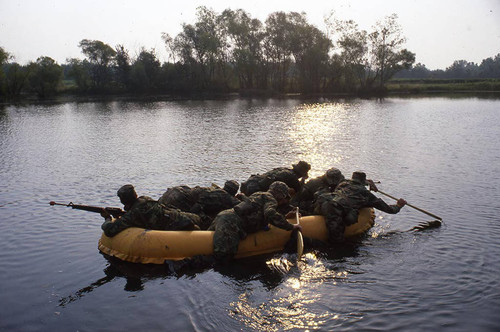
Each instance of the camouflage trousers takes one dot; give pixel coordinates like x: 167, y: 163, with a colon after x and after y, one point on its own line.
x: 336, y: 228
x: 334, y: 218
x: 228, y: 233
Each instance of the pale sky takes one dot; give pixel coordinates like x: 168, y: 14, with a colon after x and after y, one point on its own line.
x: 438, y: 31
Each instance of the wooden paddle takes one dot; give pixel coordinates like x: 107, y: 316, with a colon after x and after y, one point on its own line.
x: 412, y: 206
x: 300, y: 239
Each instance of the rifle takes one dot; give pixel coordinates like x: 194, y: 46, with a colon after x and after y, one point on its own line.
x: 114, y: 211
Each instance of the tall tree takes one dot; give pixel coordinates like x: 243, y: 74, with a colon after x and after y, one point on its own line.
x: 4, y: 58
x: 386, y: 53
x: 170, y: 46
x: 202, y: 46
x: 16, y: 77
x: 246, y: 35
x: 100, y: 56
x: 45, y: 76
x: 461, y: 69
x: 490, y: 67
x: 310, y: 49
x: 122, y: 62
x: 80, y: 71
x: 277, y: 50
x: 353, y: 45
x: 145, y: 72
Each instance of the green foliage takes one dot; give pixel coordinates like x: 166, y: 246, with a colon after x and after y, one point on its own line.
x: 99, y: 57
x: 4, y: 57
x: 145, y: 72
x: 45, y: 76
x: 79, y: 71
x: 460, y: 69
x: 245, y: 36
x: 232, y: 51
x: 443, y: 85
x: 371, y: 59
x: 16, y: 77
x: 123, y: 67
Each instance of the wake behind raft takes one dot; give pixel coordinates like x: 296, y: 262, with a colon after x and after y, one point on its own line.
x: 139, y: 245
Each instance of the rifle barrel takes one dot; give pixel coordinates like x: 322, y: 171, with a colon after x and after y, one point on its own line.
x: 114, y: 211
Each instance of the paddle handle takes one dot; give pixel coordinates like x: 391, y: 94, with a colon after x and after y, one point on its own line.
x: 412, y: 206
x: 300, y: 239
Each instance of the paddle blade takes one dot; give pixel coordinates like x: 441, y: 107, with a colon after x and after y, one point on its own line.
x: 300, y: 245
x: 427, y: 225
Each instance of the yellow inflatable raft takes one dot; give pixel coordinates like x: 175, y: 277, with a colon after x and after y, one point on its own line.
x: 139, y: 245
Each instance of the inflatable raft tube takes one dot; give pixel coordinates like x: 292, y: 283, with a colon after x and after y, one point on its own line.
x: 139, y: 245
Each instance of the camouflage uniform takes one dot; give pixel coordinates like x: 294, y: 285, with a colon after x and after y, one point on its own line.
x: 327, y: 182
x: 341, y: 207
x: 211, y: 202
x: 148, y: 213
x: 180, y: 197
x: 255, y: 213
x: 290, y: 176
x: 205, y: 202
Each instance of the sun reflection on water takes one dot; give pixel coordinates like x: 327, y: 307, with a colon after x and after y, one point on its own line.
x: 291, y: 305
x: 316, y: 125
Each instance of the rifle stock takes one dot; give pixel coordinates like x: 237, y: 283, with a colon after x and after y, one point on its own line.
x: 114, y: 211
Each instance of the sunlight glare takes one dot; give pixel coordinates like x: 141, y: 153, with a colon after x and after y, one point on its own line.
x: 315, y: 125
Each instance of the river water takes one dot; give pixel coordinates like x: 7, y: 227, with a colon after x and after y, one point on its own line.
x: 440, y: 154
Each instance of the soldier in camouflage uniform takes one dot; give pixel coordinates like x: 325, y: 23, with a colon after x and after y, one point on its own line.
x: 180, y: 197
x: 147, y: 213
x: 293, y: 177
x: 255, y: 213
x: 328, y: 182
x: 340, y: 208
x: 205, y: 202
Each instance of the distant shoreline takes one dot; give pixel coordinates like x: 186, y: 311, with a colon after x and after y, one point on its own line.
x: 486, y: 88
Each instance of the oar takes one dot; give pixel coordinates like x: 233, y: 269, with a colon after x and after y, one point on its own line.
x: 412, y: 206
x: 300, y: 239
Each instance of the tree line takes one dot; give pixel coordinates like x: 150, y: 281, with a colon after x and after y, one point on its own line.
x: 460, y: 69
x: 228, y: 52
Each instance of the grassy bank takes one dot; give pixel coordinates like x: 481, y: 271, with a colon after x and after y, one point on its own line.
x: 435, y: 85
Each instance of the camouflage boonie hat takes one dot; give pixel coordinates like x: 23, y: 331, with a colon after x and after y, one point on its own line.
x: 279, y: 190
x: 334, y: 176
x: 359, y: 177
x: 231, y: 186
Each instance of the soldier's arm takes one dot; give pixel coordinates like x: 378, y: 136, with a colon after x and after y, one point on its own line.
x: 275, y: 218
x: 113, y: 227
x: 379, y: 204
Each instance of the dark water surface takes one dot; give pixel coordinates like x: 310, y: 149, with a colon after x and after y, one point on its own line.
x: 441, y: 154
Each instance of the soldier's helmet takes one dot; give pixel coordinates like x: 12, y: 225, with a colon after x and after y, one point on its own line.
x: 334, y: 176
x: 231, y: 186
x: 301, y: 168
x: 279, y: 190
x: 127, y: 194
x: 359, y: 177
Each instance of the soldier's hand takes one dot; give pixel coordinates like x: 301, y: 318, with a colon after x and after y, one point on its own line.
x: 401, y: 202
x: 298, y: 227
x: 372, y: 185
x: 105, y: 214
